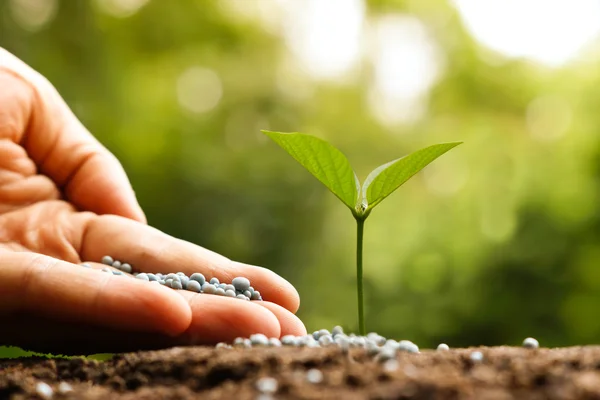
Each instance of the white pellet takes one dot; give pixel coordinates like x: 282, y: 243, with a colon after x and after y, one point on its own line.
x: 358, y: 341
x: 288, y: 340
x: 337, y: 330
x: 531, y: 343
x: 267, y: 385
x: 314, y: 376
x: 240, y: 283
x: 408, y: 346
x: 64, y: 388
x: 44, y: 390
x: 142, y: 276
x: 372, y: 347
x: 375, y: 337
x: 386, y: 353
x: 325, y: 340
x: 391, y: 365
x: 107, y: 260
x: 476, y: 356
x: 126, y: 268
x: 342, y: 341
x: 258, y: 339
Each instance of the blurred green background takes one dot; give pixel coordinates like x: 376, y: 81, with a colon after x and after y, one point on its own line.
x: 495, y: 241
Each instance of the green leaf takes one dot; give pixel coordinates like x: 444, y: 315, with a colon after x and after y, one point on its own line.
x: 385, y: 179
x: 324, y: 161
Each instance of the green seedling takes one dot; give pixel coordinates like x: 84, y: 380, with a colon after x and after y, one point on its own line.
x: 333, y: 169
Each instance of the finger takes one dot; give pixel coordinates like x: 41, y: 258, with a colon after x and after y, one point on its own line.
x: 41, y: 285
x: 222, y: 319
x: 149, y: 250
x: 33, y: 114
x: 289, y: 323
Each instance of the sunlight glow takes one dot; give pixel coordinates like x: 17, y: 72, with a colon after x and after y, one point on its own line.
x: 550, y: 32
x: 324, y: 35
x: 406, y: 64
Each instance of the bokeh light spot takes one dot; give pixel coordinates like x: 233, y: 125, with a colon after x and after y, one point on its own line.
x: 199, y: 89
x: 498, y: 224
x: 548, y: 117
x: 32, y: 15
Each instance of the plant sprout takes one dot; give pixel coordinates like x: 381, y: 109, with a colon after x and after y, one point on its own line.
x: 332, y: 168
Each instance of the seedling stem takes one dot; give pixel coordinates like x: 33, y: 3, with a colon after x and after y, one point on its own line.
x: 360, y: 224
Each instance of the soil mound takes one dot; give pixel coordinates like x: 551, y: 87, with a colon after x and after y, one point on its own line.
x: 209, y: 373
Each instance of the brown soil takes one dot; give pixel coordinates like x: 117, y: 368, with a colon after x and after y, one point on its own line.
x: 207, y: 373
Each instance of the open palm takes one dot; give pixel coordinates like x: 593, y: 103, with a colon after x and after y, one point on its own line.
x: 64, y: 199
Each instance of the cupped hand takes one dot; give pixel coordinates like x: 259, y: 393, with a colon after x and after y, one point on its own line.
x: 64, y: 199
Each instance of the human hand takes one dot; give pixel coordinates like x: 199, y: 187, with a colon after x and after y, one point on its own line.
x: 64, y: 199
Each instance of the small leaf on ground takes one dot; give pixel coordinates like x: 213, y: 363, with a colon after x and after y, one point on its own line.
x: 385, y: 179
x: 324, y: 161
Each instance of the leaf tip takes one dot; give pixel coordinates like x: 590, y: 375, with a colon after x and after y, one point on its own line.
x: 450, y: 145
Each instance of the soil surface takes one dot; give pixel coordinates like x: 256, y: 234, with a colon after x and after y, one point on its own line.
x: 208, y: 373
